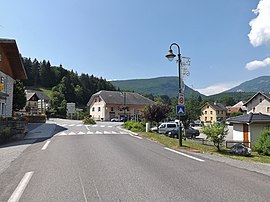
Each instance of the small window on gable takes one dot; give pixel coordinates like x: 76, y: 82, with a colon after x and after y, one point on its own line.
x: 99, y: 109
x: 253, y: 110
x: 95, y: 99
x: 93, y: 109
x: 261, y: 100
x: 205, y: 112
x: 268, y: 109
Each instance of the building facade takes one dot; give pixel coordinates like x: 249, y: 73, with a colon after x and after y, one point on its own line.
x: 212, y: 113
x: 11, y: 68
x: 106, y: 105
x: 259, y: 103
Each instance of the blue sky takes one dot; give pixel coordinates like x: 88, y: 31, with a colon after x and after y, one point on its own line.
x: 125, y: 39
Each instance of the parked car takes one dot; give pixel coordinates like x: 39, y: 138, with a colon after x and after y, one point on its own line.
x: 164, y: 128
x: 188, y: 133
x: 115, y: 119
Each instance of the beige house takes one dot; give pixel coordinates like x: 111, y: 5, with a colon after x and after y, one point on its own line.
x: 105, y: 105
x: 11, y: 68
x: 259, y: 103
x: 213, y: 112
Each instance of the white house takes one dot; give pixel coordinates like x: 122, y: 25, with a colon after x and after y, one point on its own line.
x: 247, y: 127
x: 11, y: 68
x: 105, y: 105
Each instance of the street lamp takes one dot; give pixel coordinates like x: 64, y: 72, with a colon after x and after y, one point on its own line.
x: 170, y: 55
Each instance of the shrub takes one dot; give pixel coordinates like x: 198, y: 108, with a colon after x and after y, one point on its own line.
x: 87, y: 120
x: 5, y: 134
x: 216, y: 133
x: 134, y: 126
x: 262, y: 144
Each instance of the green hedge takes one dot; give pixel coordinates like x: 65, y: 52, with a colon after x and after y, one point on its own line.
x: 134, y: 126
x: 262, y: 145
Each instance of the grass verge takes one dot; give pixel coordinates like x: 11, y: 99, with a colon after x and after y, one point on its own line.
x: 195, y: 147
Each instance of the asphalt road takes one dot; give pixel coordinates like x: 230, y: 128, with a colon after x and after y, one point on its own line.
x: 104, y: 163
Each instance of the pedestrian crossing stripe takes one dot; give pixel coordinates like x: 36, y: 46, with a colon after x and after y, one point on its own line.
x: 91, y: 133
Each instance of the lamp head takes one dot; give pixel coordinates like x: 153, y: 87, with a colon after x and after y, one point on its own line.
x: 170, y: 55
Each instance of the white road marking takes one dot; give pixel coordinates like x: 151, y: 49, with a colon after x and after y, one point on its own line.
x: 79, y: 125
x: 98, y: 132
x: 46, y: 145
x: 72, y: 133
x: 135, y: 136
x: 107, y: 132
x: 113, y: 132
x: 81, y: 133
x: 84, y: 195
x: 109, y: 126
x: 71, y: 125
x: 15, y: 197
x: 63, y: 124
x: 62, y: 133
x: 123, y: 132
x: 102, y: 126
x: 94, y: 126
x: 90, y: 132
x: 183, y: 154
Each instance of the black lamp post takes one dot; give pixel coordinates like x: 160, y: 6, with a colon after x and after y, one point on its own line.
x: 170, y: 55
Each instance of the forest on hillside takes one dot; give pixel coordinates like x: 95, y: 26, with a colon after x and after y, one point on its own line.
x: 66, y: 86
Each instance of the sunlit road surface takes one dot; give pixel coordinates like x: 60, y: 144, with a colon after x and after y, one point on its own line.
x: 105, y: 163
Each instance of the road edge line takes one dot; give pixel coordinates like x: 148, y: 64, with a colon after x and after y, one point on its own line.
x: 183, y: 154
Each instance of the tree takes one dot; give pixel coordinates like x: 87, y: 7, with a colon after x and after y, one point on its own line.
x: 227, y: 100
x: 58, y: 102
x: 19, y: 96
x: 262, y: 144
x: 156, y: 112
x: 216, y: 133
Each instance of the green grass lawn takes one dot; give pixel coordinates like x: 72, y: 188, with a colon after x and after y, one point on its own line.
x: 195, y: 147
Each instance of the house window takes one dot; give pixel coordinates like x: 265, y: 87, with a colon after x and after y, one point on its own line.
x: 99, y: 99
x: 217, y: 112
x: 268, y: 109
x: 111, y: 109
x: 207, y: 106
x: 93, y: 109
x: 261, y: 100
x: 127, y: 109
x: 253, y: 110
x: 205, y: 112
x: 99, y: 109
x: 211, y: 112
x: 95, y: 99
x: 205, y: 118
x: 221, y: 112
x: 211, y: 118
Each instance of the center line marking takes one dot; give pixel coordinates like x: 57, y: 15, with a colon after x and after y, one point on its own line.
x: 15, y: 197
x: 46, y: 145
x: 183, y: 154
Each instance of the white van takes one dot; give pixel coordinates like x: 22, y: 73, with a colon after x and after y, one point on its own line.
x: 164, y: 128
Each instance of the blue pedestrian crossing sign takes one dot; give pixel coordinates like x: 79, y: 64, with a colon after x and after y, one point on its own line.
x: 181, y: 110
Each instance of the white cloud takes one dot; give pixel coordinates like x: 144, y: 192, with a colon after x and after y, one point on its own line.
x: 256, y: 64
x: 218, y: 88
x: 260, y: 26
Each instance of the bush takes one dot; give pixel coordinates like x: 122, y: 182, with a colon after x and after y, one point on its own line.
x: 35, y: 118
x: 5, y: 134
x: 262, y: 144
x: 87, y: 120
x: 134, y: 126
